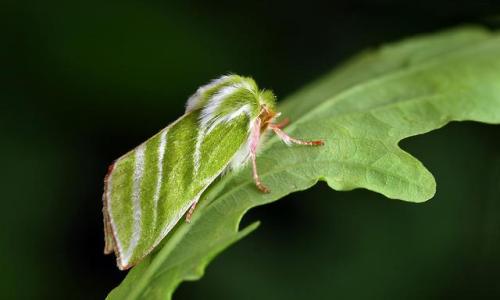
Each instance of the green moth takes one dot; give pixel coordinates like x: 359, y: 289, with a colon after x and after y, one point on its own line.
x: 149, y: 189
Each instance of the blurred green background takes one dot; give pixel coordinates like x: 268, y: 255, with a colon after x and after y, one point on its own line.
x: 83, y: 82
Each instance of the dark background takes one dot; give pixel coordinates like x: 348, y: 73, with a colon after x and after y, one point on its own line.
x: 83, y: 82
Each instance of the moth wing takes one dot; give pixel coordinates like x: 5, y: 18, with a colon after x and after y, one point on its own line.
x: 150, y: 188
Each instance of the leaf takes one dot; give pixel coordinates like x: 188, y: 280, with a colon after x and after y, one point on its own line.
x: 362, y: 110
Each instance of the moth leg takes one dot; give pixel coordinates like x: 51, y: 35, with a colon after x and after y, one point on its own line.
x: 283, y: 123
x: 190, y: 212
x: 256, y: 177
x: 254, y: 143
x: 288, y: 139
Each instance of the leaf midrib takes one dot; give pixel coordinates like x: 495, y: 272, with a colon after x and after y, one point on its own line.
x: 394, y: 74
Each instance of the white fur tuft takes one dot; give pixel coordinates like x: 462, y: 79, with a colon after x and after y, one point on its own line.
x: 194, y: 101
x: 208, y: 114
x: 209, y: 119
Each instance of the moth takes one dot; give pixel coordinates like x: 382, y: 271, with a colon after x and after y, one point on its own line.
x: 149, y: 189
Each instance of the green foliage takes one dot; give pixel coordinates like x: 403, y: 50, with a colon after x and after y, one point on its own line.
x: 362, y: 110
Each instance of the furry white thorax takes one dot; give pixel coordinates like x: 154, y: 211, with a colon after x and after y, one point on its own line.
x: 208, y: 115
x: 209, y: 118
x: 193, y: 102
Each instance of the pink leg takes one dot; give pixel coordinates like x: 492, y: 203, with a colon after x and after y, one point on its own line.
x: 288, y: 139
x: 283, y: 123
x: 190, y: 212
x: 256, y: 177
x: 254, y: 143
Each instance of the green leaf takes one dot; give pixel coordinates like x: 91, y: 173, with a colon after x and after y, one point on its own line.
x: 362, y: 110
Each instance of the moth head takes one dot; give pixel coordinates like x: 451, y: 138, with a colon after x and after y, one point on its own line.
x: 267, y: 100
x: 268, y: 112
